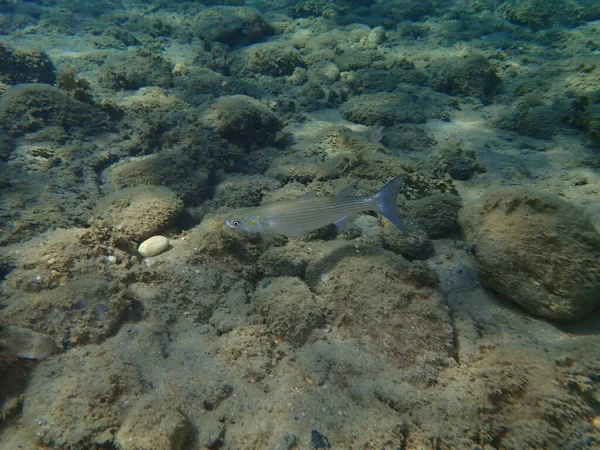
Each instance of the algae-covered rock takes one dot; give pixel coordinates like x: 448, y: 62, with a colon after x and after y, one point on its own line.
x: 135, y: 69
x: 243, y: 191
x: 540, y: 14
x: 457, y: 161
x: 382, y: 109
x: 152, y: 426
x: 25, y: 108
x: 289, y: 308
x: 244, y: 121
x: 231, y: 25
x: 407, y: 138
x: 180, y: 171
x: 584, y: 113
x: 472, y: 75
x: 139, y: 212
x: 54, y: 258
x: 78, y: 400
x: 538, y: 250
x: 25, y: 66
x: 436, y: 214
x: 85, y: 310
x: 26, y: 343
x: 270, y: 58
x: 375, y: 292
x: 249, y: 350
x: 414, y: 245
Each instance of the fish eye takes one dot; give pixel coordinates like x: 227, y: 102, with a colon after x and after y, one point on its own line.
x: 235, y: 223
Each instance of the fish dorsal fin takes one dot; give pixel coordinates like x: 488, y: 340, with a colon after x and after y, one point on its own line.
x: 308, y: 196
x: 344, y: 192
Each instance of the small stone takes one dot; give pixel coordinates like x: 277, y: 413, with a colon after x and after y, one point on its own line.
x: 153, y: 246
x: 318, y: 440
x: 111, y: 259
x: 377, y: 36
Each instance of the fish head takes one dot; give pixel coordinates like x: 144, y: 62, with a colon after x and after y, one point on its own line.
x: 244, y: 222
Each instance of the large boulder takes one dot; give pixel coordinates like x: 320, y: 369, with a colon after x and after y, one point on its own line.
x: 538, y: 250
x: 231, y: 25
x: 25, y: 66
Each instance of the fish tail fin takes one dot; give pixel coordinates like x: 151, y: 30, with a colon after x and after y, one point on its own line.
x: 386, y: 202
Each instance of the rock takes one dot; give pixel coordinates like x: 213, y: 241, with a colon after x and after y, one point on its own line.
x: 140, y: 212
x: 539, y: 15
x: 231, y: 25
x: 25, y: 66
x: 383, y: 109
x: 270, y: 58
x: 436, y: 214
x: 26, y: 108
x: 538, y: 250
x: 136, y: 69
x: 26, y: 343
x: 153, y: 426
x: 84, y: 311
x: 244, y: 121
x: 473, y: 75
x: 289, y: 308
x: 153, y: 246
x: 460, y: 163
x: 78, y: 399
x: 381, y: 296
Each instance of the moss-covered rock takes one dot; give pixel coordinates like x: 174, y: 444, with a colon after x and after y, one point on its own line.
x: 454, y: 159
x: 176, y: 169
x: 85, y: 310
x: 135, y: 69
x: 231, y: 25
x: 271, y: 58
x: 538, y: 250
x: 25, y: 66
x: 436, y: 214
x: 289, y: 307
x: 382, y: 109
x: 472, y: 75
x: 540, y: 14
x: 384, y: 296
x: 139, y: 212
x: 244, y: 121
x: 31, y: 107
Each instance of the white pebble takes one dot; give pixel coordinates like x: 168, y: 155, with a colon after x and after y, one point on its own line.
x: 111, y: 259
x: 153, y: 246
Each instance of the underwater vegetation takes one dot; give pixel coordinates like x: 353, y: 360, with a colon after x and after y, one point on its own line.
x: 299, y: 224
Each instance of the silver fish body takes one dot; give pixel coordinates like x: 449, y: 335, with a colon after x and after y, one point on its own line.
x: 293, y: 218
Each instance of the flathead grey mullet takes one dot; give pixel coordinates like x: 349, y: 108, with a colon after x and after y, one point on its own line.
x: 292, y: 218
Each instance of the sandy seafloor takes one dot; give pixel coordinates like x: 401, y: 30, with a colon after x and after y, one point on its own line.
x: 125, y: 119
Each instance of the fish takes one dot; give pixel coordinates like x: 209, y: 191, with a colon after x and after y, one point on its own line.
x: 292, y: 218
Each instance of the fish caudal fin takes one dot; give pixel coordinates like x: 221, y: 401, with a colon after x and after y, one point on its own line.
x: 386, y: 202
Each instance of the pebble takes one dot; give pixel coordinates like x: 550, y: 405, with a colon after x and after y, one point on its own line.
x: 153, y: 246
x: 318, y: 440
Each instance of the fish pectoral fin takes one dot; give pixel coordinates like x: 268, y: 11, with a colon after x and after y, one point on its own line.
x: 344, y: 222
